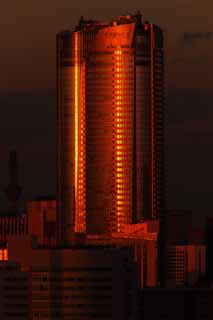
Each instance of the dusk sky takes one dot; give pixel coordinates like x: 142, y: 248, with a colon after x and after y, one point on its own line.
x: 27, y: 89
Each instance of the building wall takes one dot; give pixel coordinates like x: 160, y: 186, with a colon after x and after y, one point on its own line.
x: 176, y: 304
x: 142, y: 239
x: 110, y: 125
x: 185, y: 265
x: 42, y: 220
x: 14, y: 292
x: 12, y: 226
x: 77, y: 283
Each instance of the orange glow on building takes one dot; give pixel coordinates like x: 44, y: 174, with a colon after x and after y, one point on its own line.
x: 123, y: 63
x: 110, y: 122
x: 76, y: 97
x: 3, y: 254
x: 80, y: 214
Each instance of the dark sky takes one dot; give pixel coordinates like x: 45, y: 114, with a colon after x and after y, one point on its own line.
x: 27, y: 89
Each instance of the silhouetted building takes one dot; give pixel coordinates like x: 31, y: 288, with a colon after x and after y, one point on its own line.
x: 78, y: 282
x: 110, y: 125
x: 14, y: 292
x: 142, y: 238
x: 42, y: 220
x: 12, y: 225
x: 13, y: 190
x: 185, y: 265
x: 176, y: 304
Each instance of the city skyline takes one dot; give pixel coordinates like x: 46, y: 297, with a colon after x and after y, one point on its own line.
x: 98, y: 239
x: 189, y: 114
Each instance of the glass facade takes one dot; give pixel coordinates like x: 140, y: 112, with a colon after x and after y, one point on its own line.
x: 110, y: 125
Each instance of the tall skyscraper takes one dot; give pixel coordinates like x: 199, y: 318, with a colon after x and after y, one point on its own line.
x: 110, y: 125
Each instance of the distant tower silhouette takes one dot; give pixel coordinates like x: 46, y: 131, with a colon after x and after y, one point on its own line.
x: 13, y: 190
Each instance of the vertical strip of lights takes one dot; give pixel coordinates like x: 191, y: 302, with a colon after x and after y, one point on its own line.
x: 80, y: 210
x: 119, y: 143
x: 80, y: 225
x: 76, y: 71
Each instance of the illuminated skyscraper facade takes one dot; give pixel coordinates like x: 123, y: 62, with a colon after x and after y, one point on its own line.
x: 110, y: 125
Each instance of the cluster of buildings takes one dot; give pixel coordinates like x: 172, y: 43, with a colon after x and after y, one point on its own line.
x: 106, y: 247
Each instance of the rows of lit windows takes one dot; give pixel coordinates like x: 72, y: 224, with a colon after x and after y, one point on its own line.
x: 80, y: 213
x: 120, y: 96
